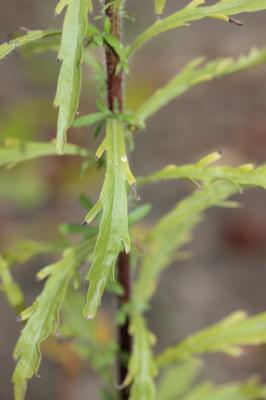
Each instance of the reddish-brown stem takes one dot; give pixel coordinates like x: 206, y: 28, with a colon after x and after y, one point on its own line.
x: 115, y: 99
x: 114, y: 80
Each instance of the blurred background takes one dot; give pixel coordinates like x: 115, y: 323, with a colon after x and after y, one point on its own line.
x: 228, y: 269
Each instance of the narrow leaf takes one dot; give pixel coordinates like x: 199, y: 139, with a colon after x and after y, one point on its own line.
x: 250, y: 390
x: 24, y: 250
x: 90, y: 119
x: 14, y: 151
x: 12, y: 291
x: 69, y: 81
x: 226, y: 336
x: 29, y: 38
x: 223, y: 182
x: 195, y: 11
x: 177, y: 380
x: 193, y: 74
x: 114, y: 222
x: 43, y: 315
x: 246, y: 175
x: 142, y: 369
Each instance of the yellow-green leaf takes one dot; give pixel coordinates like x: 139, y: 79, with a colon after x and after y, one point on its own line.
x: 13, y: 151
x: 43, y: 315
x: 226, y: 336
x: 195, y: 11
x: 246, y: 175
x: 249, y: 390
x: 193, y: 74
x: 220, y: 184
x: 28, y: 38
x: 12, y: 291
x: 177, y: 379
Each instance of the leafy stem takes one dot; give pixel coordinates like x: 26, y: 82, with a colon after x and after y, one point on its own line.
x: 115, y: 100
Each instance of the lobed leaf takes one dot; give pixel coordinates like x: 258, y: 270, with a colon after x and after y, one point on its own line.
x: 226, y: 336
x: 114, y: 222
x: 250, y: 390
x: 177, y: 380
x: 193, y: 74
x: 69, y: 80
x: 219, y: 184
x: 141, y: 368
x: 246, y: 175
x: 12, y: 291
x: 195, y: 11
x: 29, y: 38
x: 43, y: 315
x: 14, y: 151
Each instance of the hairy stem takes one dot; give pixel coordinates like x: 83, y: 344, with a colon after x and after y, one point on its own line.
x: 115, y: 99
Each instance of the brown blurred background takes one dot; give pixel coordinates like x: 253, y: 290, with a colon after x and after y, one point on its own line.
x: 228, y: 268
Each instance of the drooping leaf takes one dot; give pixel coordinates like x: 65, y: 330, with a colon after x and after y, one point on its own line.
x: 27, y: 39
x: 12, y: 291
x: 226, y: 336
x: 69, y: 80
x: 193, y: 74
x: 141, y: 368
x: 195, y: 11
x: 43, y: 315
x: 250, y: 390
x: 177, y: 380
x: 114, y: 222
x: 159, y: 6
x: 14, y: 151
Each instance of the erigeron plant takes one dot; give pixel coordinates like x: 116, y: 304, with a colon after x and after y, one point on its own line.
x: 107, y: 245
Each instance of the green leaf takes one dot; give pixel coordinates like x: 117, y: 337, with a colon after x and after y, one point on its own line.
x: 226, y: 336
x: 90, y: 119
x: 193, y: 12
x: 159, y: 6
x: 14, y: 151
x: 246, y: 175
x: 114, y: 222
x: 139, y: 213
x: 141, y: 368
x: 193, y: 74
x: 177, y: 380
x: 69, y: 80
x: 250, y: 390
x: 24, y: 250
x: 28, y: 38
x: 43, y: 315
x: 179, y: 223
x: 12, y: 291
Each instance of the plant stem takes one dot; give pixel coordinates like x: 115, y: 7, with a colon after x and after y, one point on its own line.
x: 115, y: 99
